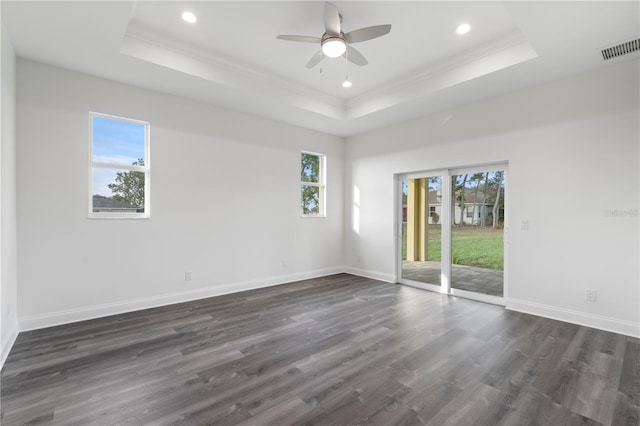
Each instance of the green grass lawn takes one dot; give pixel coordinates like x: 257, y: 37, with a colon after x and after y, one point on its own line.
x: 471, y: 245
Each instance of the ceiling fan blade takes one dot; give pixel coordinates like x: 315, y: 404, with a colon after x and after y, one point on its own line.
x: 364, y: 34
x: 331, y: 19
x: 315, y: 59
x: 354, y: 56
x: 304, y: 39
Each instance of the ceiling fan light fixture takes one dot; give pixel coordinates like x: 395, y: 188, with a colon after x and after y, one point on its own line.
x: 334, y: 42
x: 333, y: 47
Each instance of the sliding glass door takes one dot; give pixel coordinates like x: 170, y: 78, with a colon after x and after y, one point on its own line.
x: 452, y: 236
x: 477, y: 237
x: 421, y: 229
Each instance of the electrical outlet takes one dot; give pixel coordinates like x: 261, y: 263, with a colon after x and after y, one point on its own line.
x: 187, y: 276
x: 590, y: 295
x: 285, y: 263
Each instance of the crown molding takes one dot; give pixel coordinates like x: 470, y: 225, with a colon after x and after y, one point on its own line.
x: 150, y: 47
x: 494, y: 56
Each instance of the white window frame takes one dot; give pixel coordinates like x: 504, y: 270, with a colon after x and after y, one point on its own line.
x: 128, y: 167
x: 322, y: 196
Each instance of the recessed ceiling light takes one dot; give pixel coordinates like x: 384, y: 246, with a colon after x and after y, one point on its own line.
x: 189, y: 17
x: 463, y: 29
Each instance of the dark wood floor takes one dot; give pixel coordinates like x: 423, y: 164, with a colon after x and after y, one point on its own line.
x: 338, y: 350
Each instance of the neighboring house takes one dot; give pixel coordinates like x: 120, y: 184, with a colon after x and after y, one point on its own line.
x: 106, y: 204
x: 474, y: 208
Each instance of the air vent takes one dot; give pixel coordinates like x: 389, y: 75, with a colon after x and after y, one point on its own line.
x: 621, y: 49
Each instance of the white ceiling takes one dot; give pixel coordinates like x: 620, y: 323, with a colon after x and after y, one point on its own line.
x: 231, y: 57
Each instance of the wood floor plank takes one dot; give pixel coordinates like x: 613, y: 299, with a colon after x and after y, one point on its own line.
x: 630, y: 372
x: 287, y: 412
x: 529, y: 407
x: 334, y: 350
x: 626, y: 412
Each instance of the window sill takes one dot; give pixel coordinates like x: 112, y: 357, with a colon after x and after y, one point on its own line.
x: 121, y: 216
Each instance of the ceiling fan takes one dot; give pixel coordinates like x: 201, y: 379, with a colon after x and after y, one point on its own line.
x: 334, y: 42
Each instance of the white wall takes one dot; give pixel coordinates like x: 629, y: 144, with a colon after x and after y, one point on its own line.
x: 8, y: 262
x: 224, y: 197
x: 224, y: 202
x: 573, y: 153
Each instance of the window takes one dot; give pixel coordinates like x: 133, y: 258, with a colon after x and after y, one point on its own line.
x: 119, y: 181
x: 312, y: 184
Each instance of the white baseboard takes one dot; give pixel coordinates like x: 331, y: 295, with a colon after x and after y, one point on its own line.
x: 97, y: 311
x: 615, y: 325
x: 367, y: 273
x: 64, y: 317
x: 7, y: 343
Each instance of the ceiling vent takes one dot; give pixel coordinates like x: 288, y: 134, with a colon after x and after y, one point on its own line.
x: 621, y: 49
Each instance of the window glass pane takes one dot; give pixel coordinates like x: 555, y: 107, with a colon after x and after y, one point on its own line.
x: 310, y: 199
x: 422, y: 232
x: 116, y: 190
x: 117, y: 141
x: 477, y: 239
x: 310, y: 170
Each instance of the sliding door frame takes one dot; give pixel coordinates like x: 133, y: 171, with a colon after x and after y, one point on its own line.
x: 446, y: 222
x: 445, y: 255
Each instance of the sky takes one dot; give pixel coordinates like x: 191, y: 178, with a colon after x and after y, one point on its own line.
x: 117, y: 142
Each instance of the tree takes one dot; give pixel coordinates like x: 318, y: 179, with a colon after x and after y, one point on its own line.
x: 129, y: 186
x: 310, y: 172
x: 483, y: 212
x: 435, y: 218
x: 496, y: 205
x: 460, y: 190
x: 310, y: 199
x: 405, y: 191
x: 477, y: 177
x: 434, y: 183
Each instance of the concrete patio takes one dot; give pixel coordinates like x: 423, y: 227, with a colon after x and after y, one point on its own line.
x: 469, y: 278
